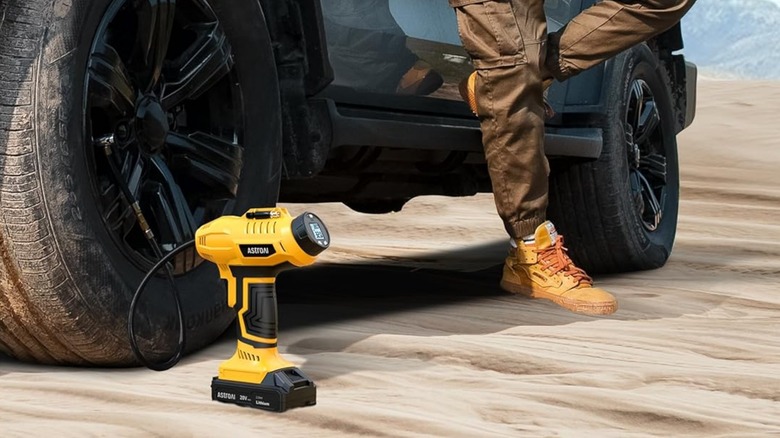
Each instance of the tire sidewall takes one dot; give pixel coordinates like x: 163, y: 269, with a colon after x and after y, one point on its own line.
x: 96, y: 267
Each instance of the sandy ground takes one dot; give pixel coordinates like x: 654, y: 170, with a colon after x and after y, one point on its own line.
x: 402, y: 351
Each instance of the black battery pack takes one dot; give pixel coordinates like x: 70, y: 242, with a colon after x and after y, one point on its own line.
x: 279, y: 391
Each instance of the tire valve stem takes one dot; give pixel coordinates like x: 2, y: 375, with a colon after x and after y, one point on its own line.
x: 106, y: 143
x: 142, y: 221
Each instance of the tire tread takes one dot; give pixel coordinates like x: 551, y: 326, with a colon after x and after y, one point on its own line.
x: 35, y: 323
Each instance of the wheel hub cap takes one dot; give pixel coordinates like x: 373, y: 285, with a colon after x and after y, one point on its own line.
x: 151, y: 123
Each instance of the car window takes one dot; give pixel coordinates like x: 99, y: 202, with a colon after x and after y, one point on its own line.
x: 405, y: 47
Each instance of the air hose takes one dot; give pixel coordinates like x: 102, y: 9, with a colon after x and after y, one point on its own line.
x: 181, y: 343
x: 107, y: 143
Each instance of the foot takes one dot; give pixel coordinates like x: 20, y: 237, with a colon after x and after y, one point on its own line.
x: 468, y: 92
x: 544, y: 270
x: 420, y: 80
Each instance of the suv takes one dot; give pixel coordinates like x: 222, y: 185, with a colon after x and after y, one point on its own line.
x: 173, y: 112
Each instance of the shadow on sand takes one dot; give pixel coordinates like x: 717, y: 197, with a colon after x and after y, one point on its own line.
x: 391, y: 289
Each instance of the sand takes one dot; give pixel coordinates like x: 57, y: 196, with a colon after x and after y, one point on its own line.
x: 406, y: 333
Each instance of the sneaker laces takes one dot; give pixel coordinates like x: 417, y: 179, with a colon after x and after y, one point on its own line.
x: 555, y: 259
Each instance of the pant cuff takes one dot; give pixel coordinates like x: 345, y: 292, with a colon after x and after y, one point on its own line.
x: 525, y: 227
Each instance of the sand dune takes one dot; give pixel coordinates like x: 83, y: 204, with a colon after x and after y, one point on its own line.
x: 405, y: 331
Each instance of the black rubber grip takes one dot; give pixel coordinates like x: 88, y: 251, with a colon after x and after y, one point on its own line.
x: 260, y: 318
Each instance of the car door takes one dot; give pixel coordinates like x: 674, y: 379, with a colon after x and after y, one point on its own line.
x: 405, y: 54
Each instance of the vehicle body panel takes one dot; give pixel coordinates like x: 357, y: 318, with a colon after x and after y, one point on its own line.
x: 374, y: 142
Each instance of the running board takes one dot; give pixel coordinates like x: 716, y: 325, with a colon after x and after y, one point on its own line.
x: 357, y: 126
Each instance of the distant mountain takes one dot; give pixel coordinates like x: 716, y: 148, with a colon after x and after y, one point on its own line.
x: 734, y: 38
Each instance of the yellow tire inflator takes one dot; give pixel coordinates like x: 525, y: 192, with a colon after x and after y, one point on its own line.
x: 250, y: 251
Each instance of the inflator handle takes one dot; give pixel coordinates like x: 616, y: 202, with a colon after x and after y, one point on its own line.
x: 258, y: 319
x: 255, y: 304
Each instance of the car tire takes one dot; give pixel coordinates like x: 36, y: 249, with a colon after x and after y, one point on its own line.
x: 607, y: 208
x: 68, y: 271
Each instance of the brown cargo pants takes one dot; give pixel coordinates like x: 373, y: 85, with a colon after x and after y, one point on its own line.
x: 514, y: 56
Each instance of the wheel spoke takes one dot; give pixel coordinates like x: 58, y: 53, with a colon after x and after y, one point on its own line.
x: 649, y: 121
x: 636, y: 191
x: 199, y: 67
x: 109, y: 83
x: 132, y: 170
x: 115, y: 210
x: 638, y: 99
x: 155, y: 25
x: 212, y: 161
x: 651, y: 201
x: 654, y: 165
x: 169, y: 208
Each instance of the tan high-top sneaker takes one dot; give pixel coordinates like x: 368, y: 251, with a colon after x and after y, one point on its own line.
x: 544, y: 270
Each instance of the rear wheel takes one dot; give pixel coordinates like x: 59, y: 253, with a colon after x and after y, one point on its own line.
x: 619, y: 213
x: 171, y: 105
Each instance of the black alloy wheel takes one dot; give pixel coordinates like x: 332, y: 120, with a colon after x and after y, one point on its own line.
x: 646, y: 154
x: 163, y: 122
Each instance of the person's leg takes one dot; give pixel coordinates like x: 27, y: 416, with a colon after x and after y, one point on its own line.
x: 506, y: 40
x: 606, y: 29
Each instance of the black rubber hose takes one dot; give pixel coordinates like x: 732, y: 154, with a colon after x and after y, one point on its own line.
x: 107, y: 143
x: 177, y: 355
